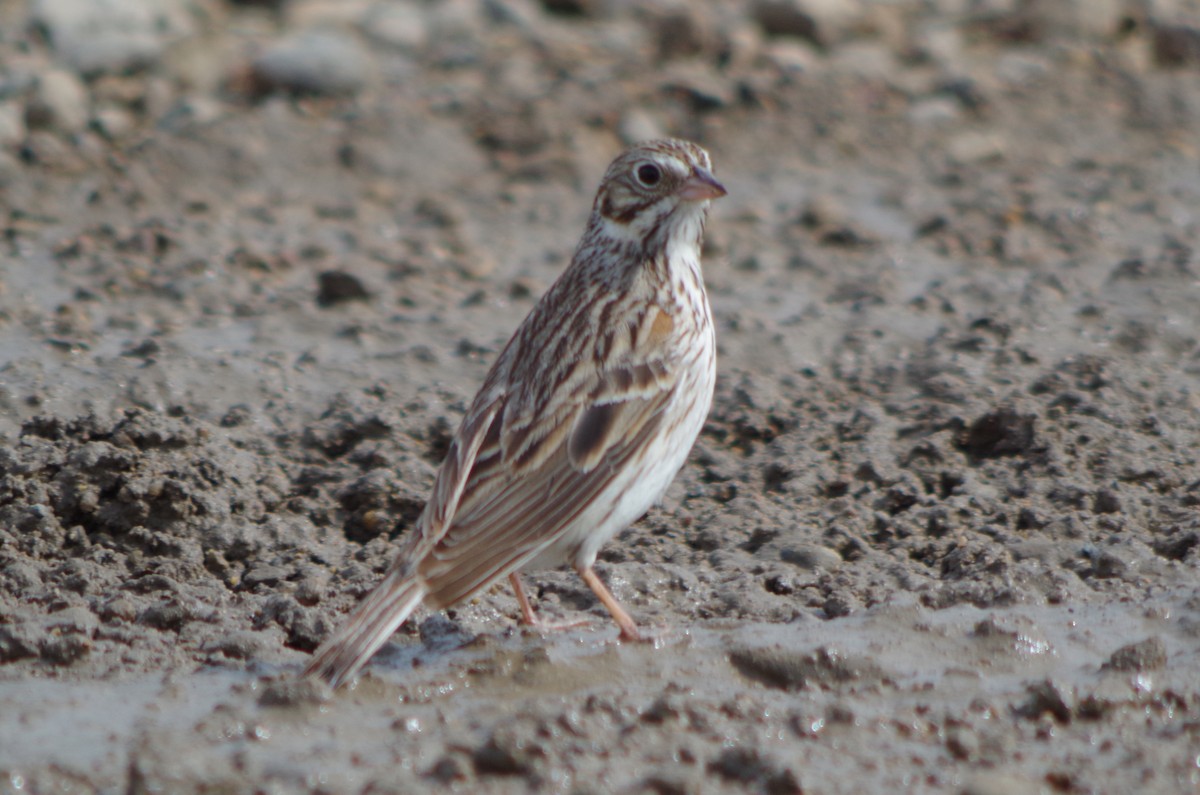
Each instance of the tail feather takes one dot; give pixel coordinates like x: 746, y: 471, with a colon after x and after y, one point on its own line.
x: 367, y: 628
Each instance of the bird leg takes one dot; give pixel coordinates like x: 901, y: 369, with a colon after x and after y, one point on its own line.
x: 528, y: 616
x: 629, y: 630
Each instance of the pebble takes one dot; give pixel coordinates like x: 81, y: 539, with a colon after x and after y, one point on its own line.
x: 318, y: 62
x: 12, y: 124
x: 790, y: 669
x: 822, y: 22
x: 791, y: 55
x: 1146, y: 655
x: 399, y: 25
x: 784, y: 18
x: 113, y: 122
x: 975, y: 146
x: 934, y: 111
x: 97, y: 36
x: 60, y: 102
x: 336, y: 287
x: 811, y: 557
x: 1176, y: 46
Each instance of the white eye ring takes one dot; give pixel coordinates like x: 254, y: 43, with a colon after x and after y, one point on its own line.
x: 648, y: 175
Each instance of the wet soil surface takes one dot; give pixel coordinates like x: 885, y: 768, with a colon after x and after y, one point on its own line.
x: 941, y: 532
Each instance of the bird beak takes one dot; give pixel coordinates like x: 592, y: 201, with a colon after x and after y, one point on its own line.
x: 700, y: 186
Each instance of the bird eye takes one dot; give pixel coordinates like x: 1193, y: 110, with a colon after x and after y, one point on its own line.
x: 648, y: 174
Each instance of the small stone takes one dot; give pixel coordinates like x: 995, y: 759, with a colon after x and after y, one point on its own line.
x: 975, y: 147
x: 119, y: 608
x: 166, y: 616
x: 1145, y: 655
x: 12, y: 124
x: 65, y: 649
x: 793, y: 670
x: 242, y: 645
x: 336, y: 287
x: 1002, y: 432
x: 399, y: 25
x: 293, y: 692
x: 113, y: 122
x: 265, y: 575
x: 1046, y: 697
x: 784, y: 18
x: 18, y: 641
x: 791, y: 55
x: 576, y: 8
x: 962, y: 744
x: 60, y: 102
x: 1106, y: 501
x: 934, y: 111
x: 99, y: 36
x: 754, y: 771
x: 315, y: 62
x: 1176, y: 46
x: 506, y: 753
x: 72, y: 619
x: 811, y: 557
x: 823, y: 22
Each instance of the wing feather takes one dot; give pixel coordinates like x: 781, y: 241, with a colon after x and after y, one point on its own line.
x: 535, y: 451
x: 496, y: 529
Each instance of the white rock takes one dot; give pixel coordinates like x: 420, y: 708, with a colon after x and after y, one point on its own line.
x: 94, y: 36
x: 113, y: 122
x: 399, y: 25
x: 934, y: 111
x: 12, y: 124
x: 60, y: 101
x: 974, y: 146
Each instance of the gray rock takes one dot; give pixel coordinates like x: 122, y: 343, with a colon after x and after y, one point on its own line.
x: 317, y: 62
x: 1146, y: 655
x: 811, y: 557
x: 791, y: 669
x: 823, y: 22
x: 95, y: 36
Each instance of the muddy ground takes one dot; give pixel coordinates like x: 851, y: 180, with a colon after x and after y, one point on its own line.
x: 940, y: 534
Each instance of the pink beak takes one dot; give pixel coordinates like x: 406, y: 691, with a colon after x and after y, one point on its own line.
x: 700, y: 186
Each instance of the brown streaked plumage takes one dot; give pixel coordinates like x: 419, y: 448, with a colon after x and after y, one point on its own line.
x: 583, y: 421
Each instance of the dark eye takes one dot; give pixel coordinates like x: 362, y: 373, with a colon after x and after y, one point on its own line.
x: 648, y: 174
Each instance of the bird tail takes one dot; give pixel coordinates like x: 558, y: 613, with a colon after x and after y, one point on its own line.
x: 367, y: 627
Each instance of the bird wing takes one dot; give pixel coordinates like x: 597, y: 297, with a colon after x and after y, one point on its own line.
x: 521, y: 470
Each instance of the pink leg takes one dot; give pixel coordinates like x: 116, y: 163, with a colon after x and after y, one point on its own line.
x: 531, y: 618
x: 629, y: 630
x: 527, y: 614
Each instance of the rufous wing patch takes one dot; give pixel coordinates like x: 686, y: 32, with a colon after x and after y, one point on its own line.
x: 660, y: 329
